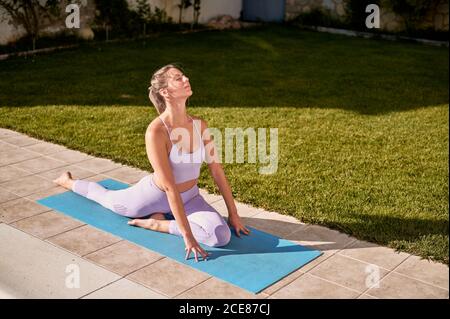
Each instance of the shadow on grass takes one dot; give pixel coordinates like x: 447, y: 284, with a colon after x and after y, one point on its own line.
x: 263, y: 67
x: 405, y: 228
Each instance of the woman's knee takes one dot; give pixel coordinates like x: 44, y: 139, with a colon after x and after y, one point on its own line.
x: 221, y: 236
x: 210, y: 228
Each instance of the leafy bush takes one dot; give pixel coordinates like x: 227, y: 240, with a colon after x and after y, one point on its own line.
x: 32, y: 15
x: 356, y: 15
x: 115, y: 15
x: 412, y: 11
x: 318, y: 17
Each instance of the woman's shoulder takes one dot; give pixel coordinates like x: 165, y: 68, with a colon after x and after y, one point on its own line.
x: 155, y: 127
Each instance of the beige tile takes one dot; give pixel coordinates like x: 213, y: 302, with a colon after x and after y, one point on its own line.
x: 283, y: 282
x: 36, y: 269
x: 168, y: 277
x: 374, y: 254
x: 126, y: 174
x: 314, y: 263
x: 6, y: 196
x: 47, y: 224
x: 347, y: 272
x: 71, y: 156
x: 398, y: 287
x: 244, y: 210
x: 22, y: 140
x: 274, y: 223
x: 421, y: 269
x: 77, y: 172
x: 214, y: 288
x: 84, y: 240
x: 45, y: 148
x: 364, y: 296
x: 97, y: 178
x: 18, y: 209
x: 8, y: 173
x: 123, y: 257
x: 219, y: 206
x: 27, y: 185
x: 320, y: 238
x: 98, y: 165
x: 15, y: 156
x: 40, y: 164
x: 46, y: 193
x: 5, y: 133
x: 311, y: 287
x: 124, y: 289
x: 5, y: 147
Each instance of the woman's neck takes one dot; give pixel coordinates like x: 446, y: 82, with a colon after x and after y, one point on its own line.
x: 176, y: 116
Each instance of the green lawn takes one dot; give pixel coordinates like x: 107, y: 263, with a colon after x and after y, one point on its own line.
x: 362, y: 124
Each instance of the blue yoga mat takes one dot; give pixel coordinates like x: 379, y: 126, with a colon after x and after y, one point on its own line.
x: 251, y: 262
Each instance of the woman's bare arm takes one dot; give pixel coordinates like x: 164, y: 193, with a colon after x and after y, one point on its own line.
x: 216, y: 169
x: 218, y: 174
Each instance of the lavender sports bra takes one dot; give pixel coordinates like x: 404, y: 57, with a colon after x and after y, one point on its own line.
x: 186, y: 166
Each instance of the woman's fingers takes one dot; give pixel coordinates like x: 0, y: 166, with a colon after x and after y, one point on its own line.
x: 195, y: 255
x: 242, y: 229
x: 205, y: 254
x: 196, y: 251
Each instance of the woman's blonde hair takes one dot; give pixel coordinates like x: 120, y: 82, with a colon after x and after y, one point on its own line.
x: 160, y: 81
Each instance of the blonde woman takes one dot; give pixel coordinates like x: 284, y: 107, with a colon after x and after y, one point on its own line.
x: 172, y: 189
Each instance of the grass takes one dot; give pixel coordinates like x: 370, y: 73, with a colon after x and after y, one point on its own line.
x: 362, y: 124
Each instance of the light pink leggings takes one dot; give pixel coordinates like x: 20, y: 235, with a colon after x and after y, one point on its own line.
x: 145, y: 198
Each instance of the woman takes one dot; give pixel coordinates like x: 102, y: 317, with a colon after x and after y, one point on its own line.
x: 172, y: 188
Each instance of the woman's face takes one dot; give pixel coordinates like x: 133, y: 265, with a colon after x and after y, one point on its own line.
x: 178, y: 84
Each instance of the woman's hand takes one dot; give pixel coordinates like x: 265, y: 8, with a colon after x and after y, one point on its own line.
x: 235, y: 221
x: 193, y: 246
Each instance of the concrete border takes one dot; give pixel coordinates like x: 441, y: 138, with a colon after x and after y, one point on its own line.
x: 376, y: 35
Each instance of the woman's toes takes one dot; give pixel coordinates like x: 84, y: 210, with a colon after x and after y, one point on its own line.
x: 63, y: 179
x: 138, y: 222
x: 144, y: 223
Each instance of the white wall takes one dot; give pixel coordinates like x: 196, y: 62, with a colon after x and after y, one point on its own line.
x: 8, y: 32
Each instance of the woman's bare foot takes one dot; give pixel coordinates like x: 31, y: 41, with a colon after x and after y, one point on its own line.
x: 156, y: 222
x: 65, y: 180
